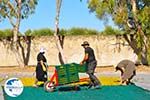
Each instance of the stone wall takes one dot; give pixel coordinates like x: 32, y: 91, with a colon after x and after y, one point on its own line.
x: 109, y: 50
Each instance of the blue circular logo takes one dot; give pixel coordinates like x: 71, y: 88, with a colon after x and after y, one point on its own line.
x: 13, y: 87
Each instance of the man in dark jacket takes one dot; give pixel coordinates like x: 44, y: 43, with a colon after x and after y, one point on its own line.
x: 89, y: 59
x: 127, y: 69
x: 41, y: 68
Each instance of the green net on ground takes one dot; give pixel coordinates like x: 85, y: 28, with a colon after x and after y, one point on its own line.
x: 130, y: 92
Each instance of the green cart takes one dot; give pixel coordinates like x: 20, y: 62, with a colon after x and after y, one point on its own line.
x: 64, y: 75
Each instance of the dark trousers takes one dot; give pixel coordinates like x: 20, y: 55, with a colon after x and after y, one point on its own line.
x: 129, y: 80
x: 90, y: 71
x: 40, y: 74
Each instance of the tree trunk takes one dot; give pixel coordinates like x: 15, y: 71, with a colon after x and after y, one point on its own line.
x: 28, y: 41
x: 26, y: 55
x: 61, y: 41
x: 15, y: 36
x: 57, y: 40
x: 61, y: 56
x: 16, y: 48
x: 144, y: 55
x: 143, y: 52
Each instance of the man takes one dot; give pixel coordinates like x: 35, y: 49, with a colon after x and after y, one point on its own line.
x: 127, y: 69
x: 89, y: 59
x: 41, y: 68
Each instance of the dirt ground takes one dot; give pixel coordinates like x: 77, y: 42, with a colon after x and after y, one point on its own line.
x: 144, y: 69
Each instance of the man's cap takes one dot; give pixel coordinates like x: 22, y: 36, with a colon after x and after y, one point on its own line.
x: 84, y: 43
x: 42, y: 50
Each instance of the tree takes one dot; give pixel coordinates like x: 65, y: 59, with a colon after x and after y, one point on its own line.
x: 15, y: 11
x: 131, y: 16
x: 59, y: 39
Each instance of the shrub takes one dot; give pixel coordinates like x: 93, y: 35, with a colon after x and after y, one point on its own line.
x: 41, y: 32
x: 81, y: 31
x: 111, y: 31
x: 6, y: 33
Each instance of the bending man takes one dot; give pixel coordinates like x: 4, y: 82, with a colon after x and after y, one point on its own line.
x: 127, y: 69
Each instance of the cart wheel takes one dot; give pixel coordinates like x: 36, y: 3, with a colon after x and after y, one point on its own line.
x: 49, y: 87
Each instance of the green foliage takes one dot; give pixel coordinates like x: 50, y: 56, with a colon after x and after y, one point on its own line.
x: 42, y: 32
x: 120, y: 10
x: 111, y: 31
x: 28, y: 32
x: 125, y: 15
x: 10, y: 8
x: 101, y: 8
x: 6, y: 33
x: 1, y: 33
x: 28, y: 7
x: 63, y: 31
x: 143, y: 16
x: 72, y: 31
x: 49, y: 32
x: 81, y: 31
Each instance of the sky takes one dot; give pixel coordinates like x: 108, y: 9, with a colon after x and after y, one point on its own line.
x: 73, y: 14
